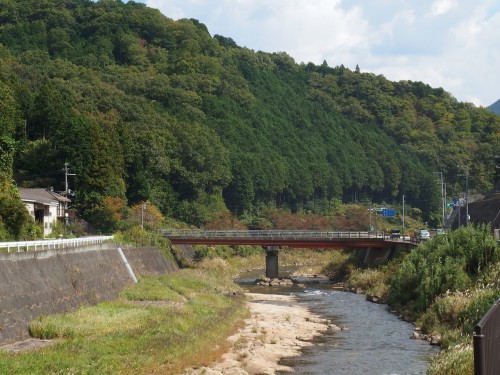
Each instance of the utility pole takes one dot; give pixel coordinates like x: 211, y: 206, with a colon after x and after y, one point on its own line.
x: 66, y: 174
x: 66, y: 186
x: 467, y: 198
x: 445, y: 195
x: 466, y: 175
x: 403, y: 231
x: 442, y: 196
x: 370, y: 229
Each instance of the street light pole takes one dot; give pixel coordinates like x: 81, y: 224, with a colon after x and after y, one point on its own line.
x: 143, y: 207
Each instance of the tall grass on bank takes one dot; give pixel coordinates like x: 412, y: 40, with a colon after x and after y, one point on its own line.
x: 458, y: 360
x: 452, y: 262
x: 159, y: 326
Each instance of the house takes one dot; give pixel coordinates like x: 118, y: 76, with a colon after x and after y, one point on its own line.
x: 45, y: 206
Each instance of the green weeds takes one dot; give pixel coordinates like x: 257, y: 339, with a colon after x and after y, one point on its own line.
x: 161, y: 325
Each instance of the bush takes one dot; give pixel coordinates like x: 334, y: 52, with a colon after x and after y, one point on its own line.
x: 451, y: 262
x: 209, y: 252
x: 443, y: 312
x: 14, y: 218
x: 339, y: 266
x: 246, y: 250
x: 458, y: 361
x: 478, y: 304
x: 373, y: 281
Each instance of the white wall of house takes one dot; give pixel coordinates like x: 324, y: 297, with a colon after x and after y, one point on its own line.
x: 49, y: 219
x: 47, y: 215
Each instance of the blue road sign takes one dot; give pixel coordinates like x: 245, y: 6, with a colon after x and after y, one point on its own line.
x: 389, y: 212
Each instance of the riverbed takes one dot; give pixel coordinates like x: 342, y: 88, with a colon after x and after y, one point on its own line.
x: 373, y: 341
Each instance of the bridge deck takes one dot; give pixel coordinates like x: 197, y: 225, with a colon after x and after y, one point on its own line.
x: 290, y: 238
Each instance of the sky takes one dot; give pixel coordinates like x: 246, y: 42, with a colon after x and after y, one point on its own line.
x: 453, y: 44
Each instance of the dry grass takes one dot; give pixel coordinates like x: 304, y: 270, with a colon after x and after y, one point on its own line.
x: 126, y: 337
x: 456, y: 361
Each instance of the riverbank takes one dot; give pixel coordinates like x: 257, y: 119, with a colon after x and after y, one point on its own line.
x: 278, y: 327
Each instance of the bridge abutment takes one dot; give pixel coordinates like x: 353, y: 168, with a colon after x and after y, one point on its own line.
x: 377, y: 256
x: 272, y: 261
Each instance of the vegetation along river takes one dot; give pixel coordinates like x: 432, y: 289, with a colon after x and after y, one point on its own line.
x: 374, y: 342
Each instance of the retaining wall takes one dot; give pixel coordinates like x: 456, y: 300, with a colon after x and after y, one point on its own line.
x: 55, y: 281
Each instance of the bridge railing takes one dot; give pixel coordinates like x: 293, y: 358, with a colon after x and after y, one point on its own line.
x: 264, y: 234
x: 487, y: 341
x: 52, y: 244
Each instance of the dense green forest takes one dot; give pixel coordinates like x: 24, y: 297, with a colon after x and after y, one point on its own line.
x: 145, y: 108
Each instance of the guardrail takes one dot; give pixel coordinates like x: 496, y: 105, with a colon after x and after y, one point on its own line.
x: 487, y: 342
x: 52, y: 244
x: 263, y: 234
x: 288, y: 234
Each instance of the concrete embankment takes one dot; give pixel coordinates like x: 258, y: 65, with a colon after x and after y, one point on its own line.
x: 55, y: 281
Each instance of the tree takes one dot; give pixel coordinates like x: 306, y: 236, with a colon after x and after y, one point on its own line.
x: 147, y: 215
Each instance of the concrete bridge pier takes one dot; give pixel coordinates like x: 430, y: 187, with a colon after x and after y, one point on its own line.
x: 272, y: 261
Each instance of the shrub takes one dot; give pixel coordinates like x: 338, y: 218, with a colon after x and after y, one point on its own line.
x: 14, y: 218
x: 338, y: 267
x: 458, y: 361
x: 373, y: 281
x: 209, y: 252
x: 446, y: 263
x: 444, y: 311
x: 478, y: 304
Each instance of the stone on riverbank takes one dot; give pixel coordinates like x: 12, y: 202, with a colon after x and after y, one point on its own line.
x: 274, y: 282
x: 278, y: 327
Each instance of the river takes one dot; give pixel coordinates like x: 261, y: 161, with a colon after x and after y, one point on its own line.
x: 375, y: 342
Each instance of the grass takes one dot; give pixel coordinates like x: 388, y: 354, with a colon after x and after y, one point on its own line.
x: 457, y: 361
x: 193, y: 310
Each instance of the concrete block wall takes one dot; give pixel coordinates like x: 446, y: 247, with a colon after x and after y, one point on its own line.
x: 55, y: 281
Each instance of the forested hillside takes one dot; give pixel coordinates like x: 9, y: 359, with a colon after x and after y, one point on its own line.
x: 495, y: 107
x: 145, y: 108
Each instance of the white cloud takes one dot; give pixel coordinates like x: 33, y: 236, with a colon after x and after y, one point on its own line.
x: 454, y: 44
x: 442, y: 6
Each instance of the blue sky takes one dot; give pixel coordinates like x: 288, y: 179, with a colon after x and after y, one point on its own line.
x: 453, y: 44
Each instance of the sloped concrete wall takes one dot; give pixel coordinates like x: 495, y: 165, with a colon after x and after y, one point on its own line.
x: 55, y: 281
x: 148, y: 261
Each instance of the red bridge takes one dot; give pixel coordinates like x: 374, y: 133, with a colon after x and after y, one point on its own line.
x: 290, y: 238
x: 376, y: 243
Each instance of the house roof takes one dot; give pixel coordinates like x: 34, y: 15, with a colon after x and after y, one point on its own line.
x: 41, y: 196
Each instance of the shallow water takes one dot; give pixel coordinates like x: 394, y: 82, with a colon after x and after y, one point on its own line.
x: 375, y: 342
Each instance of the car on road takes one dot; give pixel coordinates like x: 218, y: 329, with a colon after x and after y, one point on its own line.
x: 423, y: 235
x: 395, y: 233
